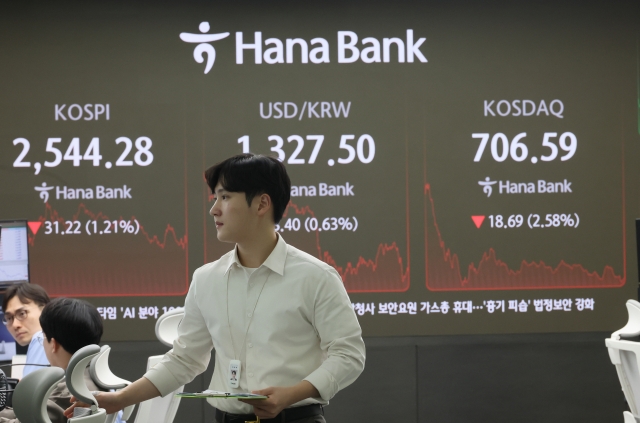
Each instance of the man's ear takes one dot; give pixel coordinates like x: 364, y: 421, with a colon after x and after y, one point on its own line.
x: 264, y: 204
x: 55, y: 345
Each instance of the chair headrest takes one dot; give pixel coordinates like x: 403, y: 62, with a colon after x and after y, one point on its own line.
x: 31, y: 394
x: 75, y: 374
x: 101, y: 373
x: 167, y: 326
x: 632, y: 328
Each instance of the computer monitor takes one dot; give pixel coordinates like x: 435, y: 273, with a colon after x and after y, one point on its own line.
x: 14, y: 252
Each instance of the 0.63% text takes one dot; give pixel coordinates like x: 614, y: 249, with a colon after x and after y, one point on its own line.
x: 312, y: 224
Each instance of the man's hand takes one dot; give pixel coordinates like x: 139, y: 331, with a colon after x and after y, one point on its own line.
x: 280, y: 398
x: 140, y: 390
x: 107, y: 400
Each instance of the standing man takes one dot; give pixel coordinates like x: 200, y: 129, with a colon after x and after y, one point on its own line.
x: 22, y: 305
x: 278, y: 317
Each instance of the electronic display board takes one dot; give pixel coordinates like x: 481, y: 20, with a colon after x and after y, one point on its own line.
x: 466, y: 167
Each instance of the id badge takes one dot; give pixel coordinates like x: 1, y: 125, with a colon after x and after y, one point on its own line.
x: 234, y: 373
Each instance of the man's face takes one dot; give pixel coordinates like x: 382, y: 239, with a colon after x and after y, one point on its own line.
x: 22, y: 330
x: 234, y: 218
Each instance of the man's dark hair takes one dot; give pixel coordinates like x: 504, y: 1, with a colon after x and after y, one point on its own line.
x: 26, y: 292
x: 73, y: 323
x: 253, y: 175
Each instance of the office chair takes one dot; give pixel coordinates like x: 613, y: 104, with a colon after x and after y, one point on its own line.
x: 625, y: 356
x: 32, y: 393
x: 104, y: 378
x: 162, y: 410
x: 78, y: 387
x: 167, y: 326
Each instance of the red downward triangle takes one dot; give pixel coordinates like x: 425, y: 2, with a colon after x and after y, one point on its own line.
x: 35, y: 226
x: 478, y: 220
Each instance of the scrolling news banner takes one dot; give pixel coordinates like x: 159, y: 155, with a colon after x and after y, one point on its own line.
x: 467, y: 168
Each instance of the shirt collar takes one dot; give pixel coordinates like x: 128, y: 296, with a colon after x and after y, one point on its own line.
x: 233, y: 259
x: 275, y: 261
x: 278, y: 256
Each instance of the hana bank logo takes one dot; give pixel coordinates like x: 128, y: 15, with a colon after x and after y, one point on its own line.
x: 486, y: 186
x: 203, y: 46
x: 348, y: 47
x: 44, y: 191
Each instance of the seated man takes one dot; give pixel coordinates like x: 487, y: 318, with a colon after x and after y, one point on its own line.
x: 68, y: 325
x: 22, y: 305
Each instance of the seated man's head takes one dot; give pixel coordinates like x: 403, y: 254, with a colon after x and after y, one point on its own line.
x: 22, y: 305
x: 68, y: 324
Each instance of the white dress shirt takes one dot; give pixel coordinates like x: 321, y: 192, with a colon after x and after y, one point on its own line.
x: 298, y: 322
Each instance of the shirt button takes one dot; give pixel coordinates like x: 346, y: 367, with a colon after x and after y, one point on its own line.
x: 250, y: 374
x: 249, y: 314
x: 250, y: 345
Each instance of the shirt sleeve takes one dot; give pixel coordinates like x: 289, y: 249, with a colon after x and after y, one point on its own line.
x: 340, y: 337
x: 35, y: 354
x: 191, y: 349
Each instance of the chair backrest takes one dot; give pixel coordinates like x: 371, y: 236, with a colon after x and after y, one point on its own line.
x: 75, y: 374
x: 101, y: 373
x: 104, y: 378
x: 77, y: 385
x: 167, y: 326
x: 632, y: 328
x: 162, y: 410
x: 31, y: 394
x: 158, y: 410
x: 625, y: 355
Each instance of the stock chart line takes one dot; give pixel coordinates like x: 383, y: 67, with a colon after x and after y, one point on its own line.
x: 90, y: 255
x: 51, y: 215
x: 385, y: 273
x: 444, y: 273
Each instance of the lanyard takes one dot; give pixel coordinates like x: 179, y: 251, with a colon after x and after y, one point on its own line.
x: 250, y: 318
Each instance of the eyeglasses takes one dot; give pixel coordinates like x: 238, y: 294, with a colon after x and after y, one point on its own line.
x: 20, y: 315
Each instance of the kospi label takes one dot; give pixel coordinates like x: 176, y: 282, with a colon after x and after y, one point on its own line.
x: 81, y: 111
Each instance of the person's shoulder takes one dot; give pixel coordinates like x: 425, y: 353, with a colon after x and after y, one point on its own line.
x: 298, y: 258
x: 218, y: 266
x: 35, y: 339
x: 35, y: 350
x: 208, y: 276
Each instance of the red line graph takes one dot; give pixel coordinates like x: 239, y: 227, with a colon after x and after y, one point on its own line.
x: 83, y: 265
x: 388, y: 271
x: 444, y: 272
x: 385, y: 273
x: 51, y: 215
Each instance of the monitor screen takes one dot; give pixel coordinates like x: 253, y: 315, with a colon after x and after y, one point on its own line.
x: 14, y: 252
x: 465, y: 167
